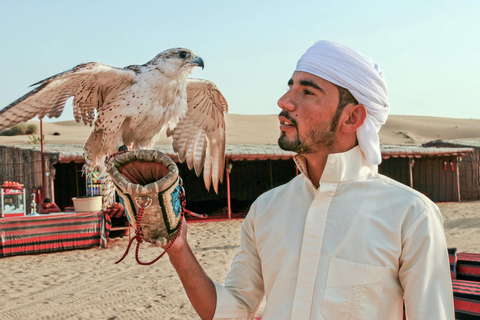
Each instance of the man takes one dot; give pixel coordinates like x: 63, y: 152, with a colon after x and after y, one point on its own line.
x: 48, y: 206
x: 339, y: 241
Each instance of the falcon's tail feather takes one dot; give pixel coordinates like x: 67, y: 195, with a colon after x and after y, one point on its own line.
x: 95, y: 153
x: 108, y: 191
x: 95, y: 157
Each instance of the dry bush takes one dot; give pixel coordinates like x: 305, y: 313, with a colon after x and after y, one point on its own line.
x: 20, y: 129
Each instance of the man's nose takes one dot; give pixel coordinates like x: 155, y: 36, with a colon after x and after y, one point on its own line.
x: 286, y: 102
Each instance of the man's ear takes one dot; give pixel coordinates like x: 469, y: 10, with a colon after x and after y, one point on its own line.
x: 355, y: 117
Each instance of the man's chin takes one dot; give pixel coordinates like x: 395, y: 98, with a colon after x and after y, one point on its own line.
x: 288, y: 145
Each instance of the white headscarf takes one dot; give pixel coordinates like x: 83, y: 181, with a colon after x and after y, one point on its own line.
x: 364, y: 79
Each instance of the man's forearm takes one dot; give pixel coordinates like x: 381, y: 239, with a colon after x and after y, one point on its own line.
x: 198, y: 286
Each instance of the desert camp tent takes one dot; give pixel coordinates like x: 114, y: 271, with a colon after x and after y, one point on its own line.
x: 251, y: 170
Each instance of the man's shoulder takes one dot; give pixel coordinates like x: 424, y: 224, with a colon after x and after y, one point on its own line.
x: 403, y: 193
x: 274, y: 201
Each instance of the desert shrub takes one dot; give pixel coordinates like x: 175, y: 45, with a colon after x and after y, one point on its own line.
x: 13, y: 131
x: 31, y: 129
x: 35, y: 139
x: 20, y: 129
x: 6, y: 132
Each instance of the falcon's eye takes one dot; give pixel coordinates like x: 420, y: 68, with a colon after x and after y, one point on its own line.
x: 183, y: 54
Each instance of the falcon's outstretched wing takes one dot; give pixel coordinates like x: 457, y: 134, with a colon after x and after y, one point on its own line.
x: 89, y: 83
x: 199, y: 137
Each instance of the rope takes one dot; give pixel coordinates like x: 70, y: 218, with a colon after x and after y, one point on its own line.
x: 139, y: 237
x: 183, y: 200
x: 114, y: 154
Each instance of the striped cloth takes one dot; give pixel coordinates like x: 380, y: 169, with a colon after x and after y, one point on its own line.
x: 466, y: 295
x: 46, y: 233
x: 452, y: 257
x: 108, y: 225
x: 468, y: 266
x: 115, y: 212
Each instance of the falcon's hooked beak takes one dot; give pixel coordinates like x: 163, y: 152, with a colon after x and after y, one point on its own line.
x: 198, y: 62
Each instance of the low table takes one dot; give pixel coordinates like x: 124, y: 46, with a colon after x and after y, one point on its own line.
x: 52, y: 232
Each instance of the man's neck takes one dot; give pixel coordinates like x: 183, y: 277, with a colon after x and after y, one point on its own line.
x: 315, y: 164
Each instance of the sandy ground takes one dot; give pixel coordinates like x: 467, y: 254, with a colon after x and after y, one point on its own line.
x: 86, y: 284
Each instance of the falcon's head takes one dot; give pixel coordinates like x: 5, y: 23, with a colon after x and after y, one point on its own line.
x: 176, y: 62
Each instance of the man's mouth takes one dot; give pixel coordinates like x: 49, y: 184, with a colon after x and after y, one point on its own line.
x: 285, y: 122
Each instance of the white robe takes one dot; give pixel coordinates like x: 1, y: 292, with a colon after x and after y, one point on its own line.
x: 353, y: 249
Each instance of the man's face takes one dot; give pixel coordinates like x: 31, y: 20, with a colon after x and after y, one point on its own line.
x: 308, y: 121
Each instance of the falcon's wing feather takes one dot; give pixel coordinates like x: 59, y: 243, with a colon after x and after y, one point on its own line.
x: 89, y: 83
x: 199, y: 137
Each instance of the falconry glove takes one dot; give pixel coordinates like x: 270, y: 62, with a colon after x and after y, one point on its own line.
x: 148, y: 182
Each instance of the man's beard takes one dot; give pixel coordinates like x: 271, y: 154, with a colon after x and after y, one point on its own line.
x: 318, y: 138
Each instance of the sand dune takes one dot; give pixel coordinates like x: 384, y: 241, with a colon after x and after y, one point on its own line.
x: 263, y: 129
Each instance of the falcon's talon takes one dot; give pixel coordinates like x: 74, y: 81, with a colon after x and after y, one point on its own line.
x: 123, y: 148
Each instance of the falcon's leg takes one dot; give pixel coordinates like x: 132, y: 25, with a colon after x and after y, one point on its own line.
x: 123, y: 148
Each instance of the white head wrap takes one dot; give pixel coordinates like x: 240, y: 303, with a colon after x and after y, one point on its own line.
x: 364, y: 79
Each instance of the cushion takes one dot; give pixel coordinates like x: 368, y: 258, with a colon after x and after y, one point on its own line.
x: 468, y: 266
x: 452, y: 257
x: 466, y: 298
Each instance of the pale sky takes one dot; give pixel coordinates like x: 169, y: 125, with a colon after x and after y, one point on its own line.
x: 429, y: 50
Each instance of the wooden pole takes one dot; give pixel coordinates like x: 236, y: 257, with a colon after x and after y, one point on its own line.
x: 457, y: 167
x: 228, y: 190
x: 42, y: 194
x: 411, y: 162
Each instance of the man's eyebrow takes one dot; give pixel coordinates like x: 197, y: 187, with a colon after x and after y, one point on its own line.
x: 309, y: 83
x: 306, y: 83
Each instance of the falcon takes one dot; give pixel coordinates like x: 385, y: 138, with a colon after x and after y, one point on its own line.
x: 130, y: 106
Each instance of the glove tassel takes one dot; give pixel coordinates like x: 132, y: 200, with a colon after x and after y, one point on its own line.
x: 139, y: 237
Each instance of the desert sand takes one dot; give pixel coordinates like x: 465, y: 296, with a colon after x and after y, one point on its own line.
x: 87, y: 284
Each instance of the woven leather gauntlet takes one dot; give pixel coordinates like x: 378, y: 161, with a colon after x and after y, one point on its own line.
x: 149, y: 180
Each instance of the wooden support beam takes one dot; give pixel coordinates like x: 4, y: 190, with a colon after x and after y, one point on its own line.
x: 411, y: 163
x: 457, y: 168
x: 228, y: 166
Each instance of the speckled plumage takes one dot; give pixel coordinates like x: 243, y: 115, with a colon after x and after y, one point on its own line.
x: 133, y: 105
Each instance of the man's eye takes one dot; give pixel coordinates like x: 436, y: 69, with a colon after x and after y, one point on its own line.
x: 182, y: 54
x: 308, y: 92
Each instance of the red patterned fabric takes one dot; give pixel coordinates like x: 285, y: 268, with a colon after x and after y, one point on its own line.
x: 466, y: 295
x: 452, y: 257
x: 115, y: 212
x: 468, y: 266
x: 108, y: 224
x: 46, y: 233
